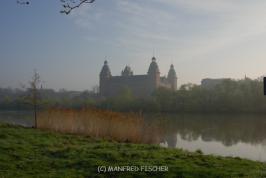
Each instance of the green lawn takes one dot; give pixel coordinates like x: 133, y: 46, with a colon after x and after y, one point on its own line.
x: 26, y: 152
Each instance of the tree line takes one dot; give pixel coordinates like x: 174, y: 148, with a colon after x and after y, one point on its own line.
x: 244, y: 95
x: 21, y: 99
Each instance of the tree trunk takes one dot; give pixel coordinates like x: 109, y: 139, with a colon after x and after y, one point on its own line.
x: 35, y: 115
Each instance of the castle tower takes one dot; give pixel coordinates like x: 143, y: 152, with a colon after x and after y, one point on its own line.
x: 172, y: 77
x: 154, y: 74
x: 127, y: 72
x: 105, y: 75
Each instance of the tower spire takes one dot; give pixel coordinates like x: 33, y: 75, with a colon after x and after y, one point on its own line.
x: 172, y: 78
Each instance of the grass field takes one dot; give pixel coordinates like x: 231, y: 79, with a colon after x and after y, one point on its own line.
x: 27, y: 152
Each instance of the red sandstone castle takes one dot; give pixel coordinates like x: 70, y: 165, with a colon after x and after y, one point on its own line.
x: 139, y: 85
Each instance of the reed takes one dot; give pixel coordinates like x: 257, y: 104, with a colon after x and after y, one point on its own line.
x: 97, y: 123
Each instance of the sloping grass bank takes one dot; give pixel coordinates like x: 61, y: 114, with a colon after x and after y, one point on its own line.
x: 26, y: 152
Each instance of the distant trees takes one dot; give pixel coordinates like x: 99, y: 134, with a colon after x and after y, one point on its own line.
x: 230, y: 96
x: 18, y: 99
x: 11, y: 98
x: 123, y: 102
x: 67, y: 5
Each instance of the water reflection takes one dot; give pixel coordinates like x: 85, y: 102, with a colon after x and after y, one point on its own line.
x: 227, y: 135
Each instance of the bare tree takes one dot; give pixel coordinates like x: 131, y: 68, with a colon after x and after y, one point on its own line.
x: 34, y: 87
x: 68, y: 5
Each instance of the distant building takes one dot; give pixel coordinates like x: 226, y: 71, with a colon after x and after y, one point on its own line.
x: 209, y: 83
x: 140, y: 85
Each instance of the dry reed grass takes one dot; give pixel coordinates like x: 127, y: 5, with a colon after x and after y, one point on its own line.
x: 109, y: 125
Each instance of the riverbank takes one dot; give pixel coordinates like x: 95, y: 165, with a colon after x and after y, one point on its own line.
x: 26, y: 152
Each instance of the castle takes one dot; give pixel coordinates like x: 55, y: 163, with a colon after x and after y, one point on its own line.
x: 139, y: 85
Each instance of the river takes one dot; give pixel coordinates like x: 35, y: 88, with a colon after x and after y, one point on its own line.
x: 226, y: 135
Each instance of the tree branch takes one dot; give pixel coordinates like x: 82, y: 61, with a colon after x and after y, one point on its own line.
x: 23, y: 2
x: 69, y: 5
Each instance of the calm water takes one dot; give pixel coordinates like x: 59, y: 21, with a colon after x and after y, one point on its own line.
x: 24, y: 118
x: 227, y: 135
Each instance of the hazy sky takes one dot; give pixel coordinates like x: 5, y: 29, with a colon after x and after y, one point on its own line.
x: 202, y: 38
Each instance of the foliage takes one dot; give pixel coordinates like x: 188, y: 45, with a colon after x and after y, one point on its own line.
x: 241, y: 96
x: 227, y: 97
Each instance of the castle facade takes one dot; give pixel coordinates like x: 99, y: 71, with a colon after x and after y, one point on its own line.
x: 139, y: 85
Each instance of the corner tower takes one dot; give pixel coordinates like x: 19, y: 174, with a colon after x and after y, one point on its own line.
x: 172, y: 77
x: 154, y: 74
x: 105, y: 75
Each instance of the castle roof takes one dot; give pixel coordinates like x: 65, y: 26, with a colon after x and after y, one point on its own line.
x: 171, y: 73
x: 153, y: 67
x: 105, y: 72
